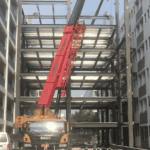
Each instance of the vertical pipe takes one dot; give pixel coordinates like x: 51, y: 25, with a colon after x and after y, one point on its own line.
x: 128, y: 72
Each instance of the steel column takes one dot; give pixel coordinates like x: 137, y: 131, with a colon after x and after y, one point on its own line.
x: 112, y: 66
x: 68, y: 112
x: 128, y: 72
x: 17, y: 66
x: 114, y: 130
x: 107, y: 130
x: 118, y: 65
x: 98, y: 117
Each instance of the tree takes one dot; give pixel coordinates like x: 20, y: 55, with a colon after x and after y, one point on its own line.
x: 84, y: 116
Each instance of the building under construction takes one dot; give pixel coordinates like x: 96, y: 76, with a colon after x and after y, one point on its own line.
x: 113, y: 63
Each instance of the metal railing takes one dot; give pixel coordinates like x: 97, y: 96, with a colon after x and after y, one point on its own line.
x: 12, y: 37
x: 2, y: 81
x: 2, y: 49
x: 1, y: 113
x: 9, y: 116
x: 3, y: 18
x: 10, y: 89
x: 11, y: 62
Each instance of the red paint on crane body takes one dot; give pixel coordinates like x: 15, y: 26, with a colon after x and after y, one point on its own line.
x: 63, y: 63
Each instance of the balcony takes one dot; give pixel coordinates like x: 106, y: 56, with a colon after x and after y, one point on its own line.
x: 10, y: 89
x: 1, y: 113
x: 3, y: 19
x: 139, y: 14
x: 2, y: 50
x: 2, y: 81
x: 142, y: 90
x: 11, y: 62
x: 140, y: 39
x: 143, y: 118
x: 9, y: 116
x: 12, y: 37
x: 141, y: 64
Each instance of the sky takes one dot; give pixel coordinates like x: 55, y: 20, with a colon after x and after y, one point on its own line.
x: 89, y: 8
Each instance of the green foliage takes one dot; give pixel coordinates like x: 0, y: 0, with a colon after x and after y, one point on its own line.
x: 84, y: 116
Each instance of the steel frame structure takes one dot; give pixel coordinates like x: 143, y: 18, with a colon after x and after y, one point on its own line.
x: 107, y: 69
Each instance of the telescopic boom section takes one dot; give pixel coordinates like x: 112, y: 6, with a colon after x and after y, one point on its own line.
x: 65, y: 57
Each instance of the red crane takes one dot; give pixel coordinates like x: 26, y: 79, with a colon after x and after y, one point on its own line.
x: 63, y: 63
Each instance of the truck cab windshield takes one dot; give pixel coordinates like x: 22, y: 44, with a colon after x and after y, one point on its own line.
x: 46, y: 126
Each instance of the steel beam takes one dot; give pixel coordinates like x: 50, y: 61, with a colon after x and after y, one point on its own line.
x: 65, y: 17
x: 72, y: 99
x: 94, y: 124
x: 73, y: 74
x: 59, y: 38
x: 97, y: 26
x: 73, y: 69
x: 55, y: 50
x: 97, y: 11
x: 72, y: 81
x: 77, y: 59
x: 37, y: 2
x: 83, y: 88
x: 27, y: 105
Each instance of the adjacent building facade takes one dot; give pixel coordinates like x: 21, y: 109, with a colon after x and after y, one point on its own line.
x: 139, y: 19
x: 8, y: 51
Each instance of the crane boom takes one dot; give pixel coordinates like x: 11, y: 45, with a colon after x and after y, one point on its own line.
x: 63, y: 63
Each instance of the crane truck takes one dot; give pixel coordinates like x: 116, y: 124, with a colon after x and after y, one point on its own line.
x: 45, y: 130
